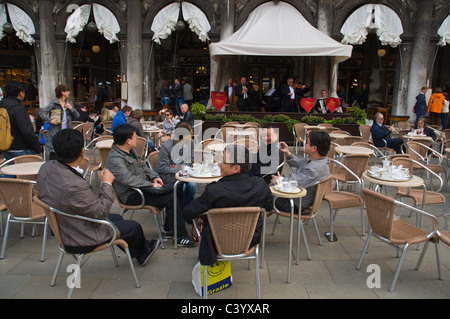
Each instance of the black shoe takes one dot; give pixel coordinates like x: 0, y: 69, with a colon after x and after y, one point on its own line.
x: 186, y: 242
x: 167, y: 233
x: 150, y: 249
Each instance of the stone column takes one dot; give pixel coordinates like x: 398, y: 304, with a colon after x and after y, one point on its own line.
x: 418, y: 73
x: 227, y: 63
x: 322, y: 64
x: 49, y: 68
x: 134, y: 54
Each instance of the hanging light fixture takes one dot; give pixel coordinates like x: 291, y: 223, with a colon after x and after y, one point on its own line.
x: 381, y: 52
x: 95, y: 48
x: 91, y: 27
x: 8, y: 28
x: 180, y: 26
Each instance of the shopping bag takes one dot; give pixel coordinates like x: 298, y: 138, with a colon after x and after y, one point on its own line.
x: 219, y: 277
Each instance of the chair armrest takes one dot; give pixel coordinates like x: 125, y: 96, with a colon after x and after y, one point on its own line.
x: 93, y: 220
x: 433, y: 218
x: 431, y: 172
x: 360, y: 181
x: 142, y: 196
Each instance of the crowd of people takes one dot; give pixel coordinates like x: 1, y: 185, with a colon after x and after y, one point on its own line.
x: 245, y: 181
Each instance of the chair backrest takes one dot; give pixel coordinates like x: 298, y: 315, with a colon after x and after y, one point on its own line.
x: 364, y: 131
x: 27, y: 159
x: 380, y: 212
x: 252, y: 124
x: 77, y: 125
x: 357, y: 163
x: 325, y: 124
x: 85, y: 165
x: 141, y: 144
x: 17, y: 194
x: 299, y: 130
x: 107, y: 127
x: 332, y: 151
x: 222, y: 134
x: 250, y: 144
x: 348, y: 140
x: 318, y: 196
x: 104, y: 152
x: 403, y: 125
x: 405, y: 161
x: 233, y: 228
x: 153, y: 158
x: 416, y: 151
x: 88, y: 127
x: 51, y: 219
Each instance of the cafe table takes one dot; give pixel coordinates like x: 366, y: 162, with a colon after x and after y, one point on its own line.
x: 151, y: 132
x: 29, y: 168
x: 186, y: 179
x: 353, y: 150
x: 291, y: 196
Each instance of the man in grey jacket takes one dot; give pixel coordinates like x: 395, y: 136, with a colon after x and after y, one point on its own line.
x: 62, y: 186
x: 308, y: 171
x: 129, y: 171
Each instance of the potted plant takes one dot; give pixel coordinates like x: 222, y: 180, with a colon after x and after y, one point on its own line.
x: 199, y: 110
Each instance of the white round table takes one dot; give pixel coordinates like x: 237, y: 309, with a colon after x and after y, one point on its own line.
x: 354, y: 150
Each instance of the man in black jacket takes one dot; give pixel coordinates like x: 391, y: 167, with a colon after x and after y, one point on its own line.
x: 242, y: 93
x: 186, y: 114
x: 25, y: 141
x: 234, y: 189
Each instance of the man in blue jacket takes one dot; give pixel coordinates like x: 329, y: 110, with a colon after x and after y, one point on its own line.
x: 420, y: 108
x: 121, y: 117
x: 381, y: 135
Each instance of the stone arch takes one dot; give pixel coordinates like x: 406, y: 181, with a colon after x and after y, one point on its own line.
x: 61, y: 18
x: 29, y: 11
x: 440, y: 16
x: 252, y: 4
x: 203, y: 5
x: 349, y: 7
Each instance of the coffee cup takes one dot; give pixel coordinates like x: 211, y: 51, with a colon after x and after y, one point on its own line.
x: 287, y: 186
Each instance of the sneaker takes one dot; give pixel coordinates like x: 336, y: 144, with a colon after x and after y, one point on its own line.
x: 186, y: 242
x: 152, y: 246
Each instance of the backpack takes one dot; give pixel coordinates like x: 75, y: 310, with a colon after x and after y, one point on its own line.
x: 6, y: 138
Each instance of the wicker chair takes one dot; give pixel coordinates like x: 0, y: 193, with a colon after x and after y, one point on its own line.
x: 152, y: 159
x: 393, y: 231
x: 21, y: 207
x: 364, y: 131
x: 141, y: 147
x: 2, y: 209
x: 339, y: 199
x: 107, y: 127
x: 299, y: 133
x: 309, y: 213
x: 232, y: 230
x: 418, y: 195
x: 348, y: 140
x: 152, y: 209
x: 85, y: 165
x: 419, y: 152
x: 377, y: 153
x: 51, y: 216
x: 357, y: 163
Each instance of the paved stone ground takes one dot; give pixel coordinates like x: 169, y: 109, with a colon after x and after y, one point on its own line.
x: 330, y: 274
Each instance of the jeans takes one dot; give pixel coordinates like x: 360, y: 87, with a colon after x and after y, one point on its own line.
x: 11, y: 154
x: 165, y: 100
x: 178, y: 103
x: 189, y: 190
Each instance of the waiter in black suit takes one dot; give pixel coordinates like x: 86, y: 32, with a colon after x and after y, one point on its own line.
x: 241, y: 91
x: 288, y: 102
x: 229, y: 90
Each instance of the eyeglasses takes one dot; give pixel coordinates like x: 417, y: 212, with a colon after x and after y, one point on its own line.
x: 167, y: 114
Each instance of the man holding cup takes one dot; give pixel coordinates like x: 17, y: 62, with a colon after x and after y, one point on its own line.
x: 308, y: 171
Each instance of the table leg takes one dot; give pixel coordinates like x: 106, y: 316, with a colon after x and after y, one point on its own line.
x: 299, y: 220
x: 291, y: 227
x: 175, y: 209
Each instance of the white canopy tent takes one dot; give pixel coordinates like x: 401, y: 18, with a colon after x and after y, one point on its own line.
x: 277, y: 30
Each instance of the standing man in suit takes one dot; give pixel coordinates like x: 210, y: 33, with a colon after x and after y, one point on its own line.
x: 242, y: 90
x: 229, y: 89
x: 420, y: 108
x: 320, y: 106
x: 179, y: 95
x: 289, y: 100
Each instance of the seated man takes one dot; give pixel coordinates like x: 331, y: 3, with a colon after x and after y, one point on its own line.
x: 62, y: 186
x: 129, y: 171
x: 121, y: 117
x: 320, y: 106
x: 307, y: 171
x: 234, y: 189
x: 174, y: 154
x: 269, y: 156
x: 381, y: 133
x: 186, y: 114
